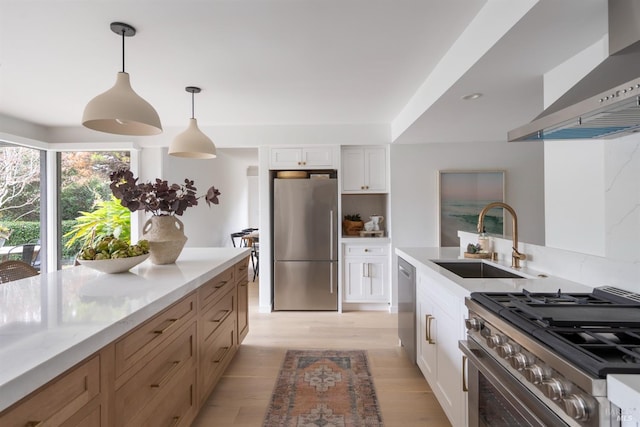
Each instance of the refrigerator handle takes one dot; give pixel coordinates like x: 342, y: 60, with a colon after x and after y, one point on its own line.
x: 331, y: 278
x: 331, y: 234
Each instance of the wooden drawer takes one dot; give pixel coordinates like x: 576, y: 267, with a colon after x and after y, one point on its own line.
x: 215, y: 354
x: 214, y: 316
x: 215, y: 287
x: 176, y: 407
x: 90, y: 416
x: 366, y: 250
x: 241, y: 271
x: 59, y: 400
x: 136, y: 345
x: 156, y: 376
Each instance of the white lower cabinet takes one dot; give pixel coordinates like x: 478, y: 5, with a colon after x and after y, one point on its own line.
x: 440, y: 324
x: 366, y: 273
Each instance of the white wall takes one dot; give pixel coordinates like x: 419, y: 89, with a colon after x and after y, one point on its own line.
x: 622, y: 200
x: 414, y: 189
x: 211, y: 226
x: 574, y: 195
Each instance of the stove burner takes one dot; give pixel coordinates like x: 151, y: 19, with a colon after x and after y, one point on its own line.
x: 632, y: 359
x: 558, y: 298
x: 598, y: 333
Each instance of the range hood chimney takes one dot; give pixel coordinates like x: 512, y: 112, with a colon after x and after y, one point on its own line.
x: 605, y: 104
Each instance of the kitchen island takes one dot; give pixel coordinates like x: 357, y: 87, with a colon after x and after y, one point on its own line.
x: 54, y: 324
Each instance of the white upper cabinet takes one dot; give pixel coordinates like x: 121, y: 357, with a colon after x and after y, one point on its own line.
x: 303, y: 158
x: 364, y: 170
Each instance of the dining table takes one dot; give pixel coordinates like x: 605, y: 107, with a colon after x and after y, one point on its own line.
x: 17, y: 250
x: 251, y: 238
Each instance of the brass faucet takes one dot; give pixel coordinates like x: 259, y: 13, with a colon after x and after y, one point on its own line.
x: 515, y: 255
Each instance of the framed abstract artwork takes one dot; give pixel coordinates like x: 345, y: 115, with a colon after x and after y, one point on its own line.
x: 463, y: 194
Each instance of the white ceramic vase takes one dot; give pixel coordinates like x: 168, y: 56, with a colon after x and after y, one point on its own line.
x: 165, y: 234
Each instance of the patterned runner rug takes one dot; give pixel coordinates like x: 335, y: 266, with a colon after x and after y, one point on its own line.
x: 324, y: 388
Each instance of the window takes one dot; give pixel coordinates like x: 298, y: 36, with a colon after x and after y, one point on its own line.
x: 22, y: 218
x: 85, y: 205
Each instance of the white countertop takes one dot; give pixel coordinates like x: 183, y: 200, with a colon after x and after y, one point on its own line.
x: 49, y: 323
x: 622, y: 390
x: 422, y: 257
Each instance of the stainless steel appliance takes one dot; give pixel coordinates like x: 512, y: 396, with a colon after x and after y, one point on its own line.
x: 305, y: 244
x: 603, y: 104
x: 540, y: 359
x: 407, y: 307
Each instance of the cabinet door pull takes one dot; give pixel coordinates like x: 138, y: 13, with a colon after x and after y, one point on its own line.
x: 429, y: 338
x: 162, y: 331
x: 221, y: 284
x: 166, y: 375
x: 222, y: 315
x: 465, y: 387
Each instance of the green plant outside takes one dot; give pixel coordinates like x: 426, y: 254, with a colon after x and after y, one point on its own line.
x: 110, y: 217
x: 22, y: 232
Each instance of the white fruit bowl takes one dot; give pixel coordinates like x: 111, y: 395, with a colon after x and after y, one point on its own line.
x: 116, y: 265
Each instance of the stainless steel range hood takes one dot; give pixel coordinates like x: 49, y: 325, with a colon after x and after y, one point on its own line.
x: 606, y: 103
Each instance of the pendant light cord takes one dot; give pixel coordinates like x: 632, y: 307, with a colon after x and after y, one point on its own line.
x: 193, y: 115
x: 123, y: 31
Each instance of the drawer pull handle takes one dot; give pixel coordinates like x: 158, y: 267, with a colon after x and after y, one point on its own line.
x: 33, y: 424
x: 175, y: 421
x: 221, y: 284
x: 225, y: 313
x: 162, y: 331
x: 221, y: 354
x: 166, y: 375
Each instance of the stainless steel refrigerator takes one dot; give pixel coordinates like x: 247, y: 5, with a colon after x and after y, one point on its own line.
x: 305, y: 244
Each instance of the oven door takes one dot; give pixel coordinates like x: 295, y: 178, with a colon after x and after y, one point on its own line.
x: 497, y: 398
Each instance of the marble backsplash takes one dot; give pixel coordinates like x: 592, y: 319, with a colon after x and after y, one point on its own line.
x: 587, y: 269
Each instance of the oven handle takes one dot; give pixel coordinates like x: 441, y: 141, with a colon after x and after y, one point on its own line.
x: 465, y: 362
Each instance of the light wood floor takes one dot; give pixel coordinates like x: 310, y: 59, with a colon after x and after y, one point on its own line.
x: 243, y: 393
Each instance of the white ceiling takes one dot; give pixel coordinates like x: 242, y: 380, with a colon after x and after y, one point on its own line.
x: 294, y: 62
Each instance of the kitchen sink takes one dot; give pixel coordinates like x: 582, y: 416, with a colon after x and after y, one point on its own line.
x: 477, y: 270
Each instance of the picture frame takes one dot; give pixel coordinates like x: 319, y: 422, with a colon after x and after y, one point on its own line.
x: 461, y: 196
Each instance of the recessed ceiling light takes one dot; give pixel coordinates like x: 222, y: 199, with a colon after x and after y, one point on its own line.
x: 472, y: 96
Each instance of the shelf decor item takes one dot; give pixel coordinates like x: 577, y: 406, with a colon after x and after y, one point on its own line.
x: 113, y: 266
x: 352, y: 225
x: 110, y: 254
x: 164, y: 201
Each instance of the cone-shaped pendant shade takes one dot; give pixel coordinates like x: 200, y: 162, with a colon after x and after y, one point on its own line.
x: 121, y: 111
x: 192, y: 143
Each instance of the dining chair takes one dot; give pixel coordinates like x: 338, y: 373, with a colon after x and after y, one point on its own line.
x: 237, y: 235
x: 255, y: 259
x: 25, y: 253
x: 15, y: 270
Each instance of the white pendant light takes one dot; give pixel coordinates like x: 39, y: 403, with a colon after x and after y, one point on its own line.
x: 192, y: 143
x: 120, y: 110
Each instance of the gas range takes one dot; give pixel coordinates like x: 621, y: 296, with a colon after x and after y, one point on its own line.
x: 560, y: 347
